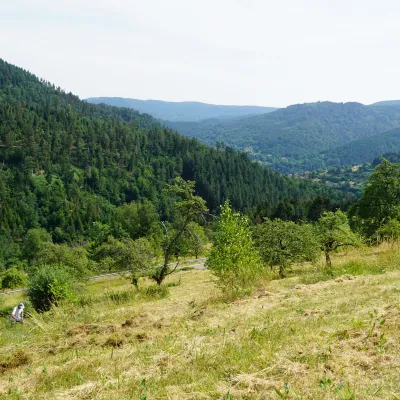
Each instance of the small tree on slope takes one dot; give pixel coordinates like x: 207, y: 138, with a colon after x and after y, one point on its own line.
x: 187, y: 209
x: 333, y: 231
x: 234, y: 259
x: 284, y: 243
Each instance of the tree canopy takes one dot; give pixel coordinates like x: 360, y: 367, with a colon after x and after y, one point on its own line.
x: 283, y: 243
x: 380, y: 202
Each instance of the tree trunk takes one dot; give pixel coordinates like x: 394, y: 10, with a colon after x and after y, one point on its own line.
x: 328, y: 259
x: 159, y: 278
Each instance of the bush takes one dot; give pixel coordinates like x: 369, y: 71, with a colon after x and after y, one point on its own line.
x: 233, y: 258
x: 49, y: 286
x: 73, y: 259
x: 389, y: 231
x: 12, y: 279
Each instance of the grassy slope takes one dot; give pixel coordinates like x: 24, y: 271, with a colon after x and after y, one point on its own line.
x: 333, y: 339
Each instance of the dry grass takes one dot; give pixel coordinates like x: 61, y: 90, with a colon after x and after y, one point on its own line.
x: 296, y: 338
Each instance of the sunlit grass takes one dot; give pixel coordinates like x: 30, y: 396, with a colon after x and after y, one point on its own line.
x: 317, y: 334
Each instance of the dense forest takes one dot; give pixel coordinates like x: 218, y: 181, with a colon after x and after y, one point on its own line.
x: 66, y: 164
x: 305, y: 137
x: 181, y: 111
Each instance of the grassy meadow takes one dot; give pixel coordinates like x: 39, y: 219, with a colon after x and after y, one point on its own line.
x: 310, y: 335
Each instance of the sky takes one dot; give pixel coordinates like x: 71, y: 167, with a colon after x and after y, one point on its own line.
x: 245, y: 52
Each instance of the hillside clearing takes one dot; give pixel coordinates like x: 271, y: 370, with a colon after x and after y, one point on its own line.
x: 337, y: 339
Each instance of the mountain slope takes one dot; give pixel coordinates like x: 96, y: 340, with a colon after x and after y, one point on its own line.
x: 291, y: 136
x: 66, y: 163
x: 363, y: 150
x: 181, y: 111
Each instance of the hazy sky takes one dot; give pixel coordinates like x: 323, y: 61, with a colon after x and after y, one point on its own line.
x: 261, y: 52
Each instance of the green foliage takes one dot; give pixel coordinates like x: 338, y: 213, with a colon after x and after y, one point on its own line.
x: 333, y: 231
x: 285, y: 243
x: 13, y: 278
x: 137, y: 220
x: 126, y: 254
x: 34, y: 240
x: 192, y: 241
x: 188, y: 206
x: 196, y: 239
x: 48, y: 286
x: 10, y: 252
x: 98, y: 233
x: 234, y: 258
x: 380, y: 202
x: 389, y: 231
x: 350, y: 178
x: 74, y: 259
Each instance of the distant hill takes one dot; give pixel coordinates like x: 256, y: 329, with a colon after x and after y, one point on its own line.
x: 181, y: 111
x: 303, y: 136
x: 387, y: 103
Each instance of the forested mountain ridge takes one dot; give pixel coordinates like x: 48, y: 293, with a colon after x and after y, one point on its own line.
x: 66, y: 163
x: 182, y: 111
x: 297, y: 137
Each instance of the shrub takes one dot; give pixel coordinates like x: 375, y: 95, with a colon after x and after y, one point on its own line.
x: 12, y: 278
x: 49, y: 286
x: 233, y: 258
x: 389, y: 231
x: 73, y: 259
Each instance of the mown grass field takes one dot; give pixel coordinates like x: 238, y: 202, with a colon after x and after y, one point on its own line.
x: 308, y: 336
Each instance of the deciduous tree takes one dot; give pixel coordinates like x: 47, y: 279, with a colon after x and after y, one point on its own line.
x: 188, y: 207
x: 283, y: 243
x: 234, y: 258
x: 333, y: 231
